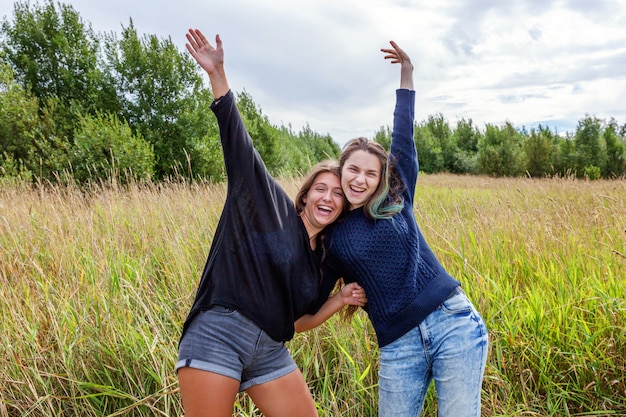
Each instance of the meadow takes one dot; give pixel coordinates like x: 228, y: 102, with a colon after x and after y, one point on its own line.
x: 95, y: 285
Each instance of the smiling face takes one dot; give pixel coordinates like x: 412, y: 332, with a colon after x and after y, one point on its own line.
x: 360, y: 176
x: 323, y: 202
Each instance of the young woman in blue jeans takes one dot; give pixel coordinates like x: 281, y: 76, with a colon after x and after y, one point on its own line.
x: 426, y: 327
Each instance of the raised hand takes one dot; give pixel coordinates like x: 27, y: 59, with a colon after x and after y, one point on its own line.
x: 398, y: 56
x: 210, y: 58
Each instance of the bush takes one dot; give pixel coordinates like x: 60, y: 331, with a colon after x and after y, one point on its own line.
x: 105, y: 147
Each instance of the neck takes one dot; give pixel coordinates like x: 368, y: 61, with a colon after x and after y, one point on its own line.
x: 311, y: 231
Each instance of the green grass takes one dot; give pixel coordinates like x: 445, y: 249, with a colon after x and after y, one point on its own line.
x: 94, y: 287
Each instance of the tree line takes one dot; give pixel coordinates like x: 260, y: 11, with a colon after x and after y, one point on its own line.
x: 78, y: 106
x: 595, y: 150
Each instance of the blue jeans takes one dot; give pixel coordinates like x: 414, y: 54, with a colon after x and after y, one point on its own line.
x: 450, y: 347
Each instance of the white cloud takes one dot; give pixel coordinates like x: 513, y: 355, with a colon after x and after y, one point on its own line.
x: 318, y: 61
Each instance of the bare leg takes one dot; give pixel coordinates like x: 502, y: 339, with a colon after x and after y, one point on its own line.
x: 206, y: 393
x: 287, y: 396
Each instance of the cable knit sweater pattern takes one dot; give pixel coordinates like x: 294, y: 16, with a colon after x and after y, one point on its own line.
x: 402, y: 277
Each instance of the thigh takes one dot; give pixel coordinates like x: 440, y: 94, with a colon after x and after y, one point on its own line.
x: 287, y: 396
x: 461, y: 342
x: 206, y: 393
x: 403, y: 377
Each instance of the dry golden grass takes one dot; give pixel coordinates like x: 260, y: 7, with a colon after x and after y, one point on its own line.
x: 95, y: 285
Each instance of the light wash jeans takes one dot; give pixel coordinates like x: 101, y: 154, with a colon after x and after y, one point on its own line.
x: 450, y: 347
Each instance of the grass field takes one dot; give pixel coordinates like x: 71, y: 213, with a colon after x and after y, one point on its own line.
x: 94, y: 287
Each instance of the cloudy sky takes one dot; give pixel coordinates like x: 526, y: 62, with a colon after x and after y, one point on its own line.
x: 318, y: 62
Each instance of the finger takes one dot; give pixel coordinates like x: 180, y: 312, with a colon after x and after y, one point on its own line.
x: 199, y: 39
x: 192, y: 40
x: 201, y: 36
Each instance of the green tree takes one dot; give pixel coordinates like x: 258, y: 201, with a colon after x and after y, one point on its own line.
x: 428, y: 147
x: 500, y: 151
x: 540, y: 150
x: 441, y: 132
x: 107, y: 148
x: 55, y: 55
x: 19, y: 118
x: 264, y: 136
x: 321, y: 146
x: 566, y: 157
x: 28, y: 130
x: 157, y: 84
x: 590, y: 151
x: 615, y: 154
x: 383, y: 136
x: 465, y: 137
x: 205, y: 158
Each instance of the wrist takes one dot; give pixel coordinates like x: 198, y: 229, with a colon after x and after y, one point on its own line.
x: 339, y: 299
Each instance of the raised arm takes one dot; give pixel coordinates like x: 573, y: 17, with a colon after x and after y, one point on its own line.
x: 350, y: 294
x: 398, y: 56
x: 210, y: 58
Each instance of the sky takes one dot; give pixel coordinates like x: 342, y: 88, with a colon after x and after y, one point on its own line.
x: 318, y: 62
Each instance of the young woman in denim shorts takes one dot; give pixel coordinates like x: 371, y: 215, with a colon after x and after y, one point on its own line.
x: 426, y: 327
x: 262, y: 274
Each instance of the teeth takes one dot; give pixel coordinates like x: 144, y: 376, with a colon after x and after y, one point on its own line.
x: 357, y: 189
x: 325, y: 208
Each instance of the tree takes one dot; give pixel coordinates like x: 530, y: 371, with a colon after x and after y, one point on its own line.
x: 615, y: 155
x: 383, y: 137
x: 157, y: 85
x: 54, y: 54
x: 589, y: 149
x: 28, y: 130
x: 466, y: 138
x: 107, y: 148
x: 428, y: 147
x: 205, y: 158
x: 500, y: 151
x: 263, y: 134
x: 540, y: 152
x: 566, y: 156
x: 321, y: 146
x: 19, y: 117
x: 441, y: 132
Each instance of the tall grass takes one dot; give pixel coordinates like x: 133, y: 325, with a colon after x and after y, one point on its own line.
x: 95, y: 285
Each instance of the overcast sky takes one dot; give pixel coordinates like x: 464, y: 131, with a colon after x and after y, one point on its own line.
x: 318, y: 62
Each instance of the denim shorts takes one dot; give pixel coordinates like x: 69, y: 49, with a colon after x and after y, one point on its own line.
x: 223, y: 341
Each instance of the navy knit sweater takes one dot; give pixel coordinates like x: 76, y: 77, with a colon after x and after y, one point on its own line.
x: 260, y: 262
x: 402, y: 278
